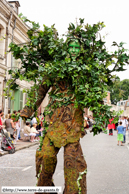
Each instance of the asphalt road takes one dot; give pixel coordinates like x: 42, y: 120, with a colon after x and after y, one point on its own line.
x: 108, y: 166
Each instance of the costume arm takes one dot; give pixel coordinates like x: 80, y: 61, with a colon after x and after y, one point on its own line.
x: 28, y: 111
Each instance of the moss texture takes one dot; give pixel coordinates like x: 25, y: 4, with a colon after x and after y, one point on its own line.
x: 65, y: 126
x: 73, y: 164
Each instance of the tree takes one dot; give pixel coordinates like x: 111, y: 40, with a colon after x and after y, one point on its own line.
x: 119, y: 90
x: 116, y: 93
x: 125, y: 88
x: 45, y: 57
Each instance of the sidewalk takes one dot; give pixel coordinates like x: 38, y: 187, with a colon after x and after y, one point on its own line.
x: 21, y: 144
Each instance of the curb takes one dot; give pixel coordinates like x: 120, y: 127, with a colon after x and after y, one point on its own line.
x: 20, y: 148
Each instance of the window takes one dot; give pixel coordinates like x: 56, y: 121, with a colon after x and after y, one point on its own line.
x: 17, y: 103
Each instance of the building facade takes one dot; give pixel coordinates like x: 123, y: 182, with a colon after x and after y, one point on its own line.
x: 123, y: 105
x: 12, y: 29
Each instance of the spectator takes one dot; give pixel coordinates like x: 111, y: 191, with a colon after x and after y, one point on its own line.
x: 15, y: 112
x: 111, y: 126
x: 34, y: 121
x: 125, y: 125
x: 6, y: 117
x: 120, y: 130
x: 10, y: 127
x: 27, y: 132
x: 17, y: 129
x: 20, y: 124
x: 13, y: 117
x: 33, y: 130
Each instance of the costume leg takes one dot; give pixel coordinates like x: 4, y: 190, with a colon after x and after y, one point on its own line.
x: 74, y: 163
x: 46, y: 163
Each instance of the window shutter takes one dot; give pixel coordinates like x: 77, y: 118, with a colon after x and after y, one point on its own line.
x: 21, y: 100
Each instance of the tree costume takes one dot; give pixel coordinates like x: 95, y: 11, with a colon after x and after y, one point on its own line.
x: 77, y: 72
x: 65, y: 127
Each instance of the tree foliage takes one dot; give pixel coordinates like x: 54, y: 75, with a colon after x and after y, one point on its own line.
x: 119, y: 90
x: 45, y: 57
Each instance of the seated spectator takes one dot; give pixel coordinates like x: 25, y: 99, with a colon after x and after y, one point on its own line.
x: 27, y: 132
x: 33, y: 130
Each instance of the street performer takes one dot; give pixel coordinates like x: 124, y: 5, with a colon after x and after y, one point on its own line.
x: 76, y: 74
x: 65, y: 128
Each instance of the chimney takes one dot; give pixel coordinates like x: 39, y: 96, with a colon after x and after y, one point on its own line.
x: 15, y: 5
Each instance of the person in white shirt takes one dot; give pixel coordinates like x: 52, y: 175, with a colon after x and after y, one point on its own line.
x: 34, y: 121
x: 125, y: 125
x: 18, y: 129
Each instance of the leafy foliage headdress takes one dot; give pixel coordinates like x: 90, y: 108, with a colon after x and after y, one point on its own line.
x: 45, y: 60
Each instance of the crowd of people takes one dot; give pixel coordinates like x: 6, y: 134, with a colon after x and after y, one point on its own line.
x: 122, y: 127
x: 12, y: 123
x: 34, y: 128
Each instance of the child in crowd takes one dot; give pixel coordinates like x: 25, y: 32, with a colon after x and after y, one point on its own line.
x: 33, y: 130
x: 27, y: 132
x: 120, y: 130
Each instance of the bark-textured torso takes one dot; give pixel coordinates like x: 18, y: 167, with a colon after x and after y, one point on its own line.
x: 66, y: 123
x: 66, y: 127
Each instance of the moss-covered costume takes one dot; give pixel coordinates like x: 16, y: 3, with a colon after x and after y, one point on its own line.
x: 65, y: 129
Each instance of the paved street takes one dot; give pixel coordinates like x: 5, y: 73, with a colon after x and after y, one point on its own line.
x: 108, y: 166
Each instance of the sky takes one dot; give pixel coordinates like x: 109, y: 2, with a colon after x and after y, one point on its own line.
x: 114, y: 13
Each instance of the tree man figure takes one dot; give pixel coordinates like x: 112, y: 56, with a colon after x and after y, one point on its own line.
x: 77, y: 73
